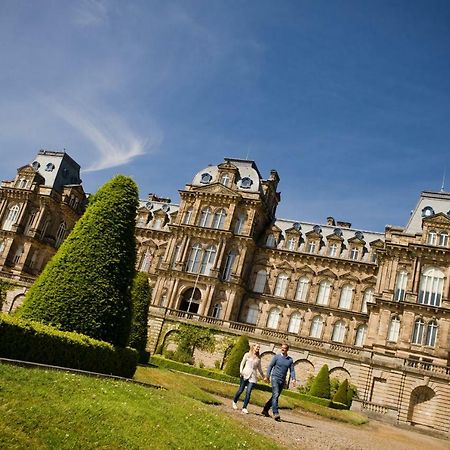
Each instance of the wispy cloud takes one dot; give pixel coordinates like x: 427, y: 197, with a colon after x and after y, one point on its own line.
x: 113, y: 139
x: 90, y: 13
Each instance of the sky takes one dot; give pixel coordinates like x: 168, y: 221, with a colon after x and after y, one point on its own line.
x: 349, y: 100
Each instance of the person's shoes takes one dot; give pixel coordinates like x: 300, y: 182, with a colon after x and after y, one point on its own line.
x: 264, y: 412
x: 277, y: 417
x: 234, y: 405
x: 244, y: 411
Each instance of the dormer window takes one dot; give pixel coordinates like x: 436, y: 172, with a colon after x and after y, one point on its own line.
x: 246, y: 183
x: 49, y: 167
x: 270, y: 242
x: 205, y: 178
x: 354, y: 253
x: 432, y: 237
x: 427, y: 211
x: 443, y: 239
x: 290, y: 244
x: 35, y: 165
x: 332, y: 250
x: 312, y: 245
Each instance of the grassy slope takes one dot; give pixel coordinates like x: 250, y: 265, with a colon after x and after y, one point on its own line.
x: 52, y: 409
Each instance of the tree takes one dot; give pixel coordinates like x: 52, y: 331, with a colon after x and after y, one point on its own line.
x: 85, y: 287
x: 341, y: 394
x: 190, y: 337
x: 321, y: 384
x: 232, y: 366
x: 140, y: 301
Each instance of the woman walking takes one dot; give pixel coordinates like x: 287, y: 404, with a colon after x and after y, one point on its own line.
x: 250, y: 365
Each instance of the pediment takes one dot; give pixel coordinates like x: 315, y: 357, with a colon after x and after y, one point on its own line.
x: 378, y: 243
x: 274, y: 229
x: 227, y: 165
x: 439, y: 218
x: 313, y: 235
x: 357, y: 241
x: 326, y: 273
x: 306, y: 269
x: 334, y: 238
x: 217, y: 188
x: 293, y: 231
x: 349, y: 276
x: 369, y: 280
x: 26, y: 170
x: 284, y: 265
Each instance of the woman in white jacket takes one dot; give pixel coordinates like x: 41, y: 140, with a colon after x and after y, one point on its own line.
x: 250, y: 366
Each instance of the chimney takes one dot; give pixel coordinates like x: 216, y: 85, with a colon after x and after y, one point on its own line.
x: 343, y: 224
x: 330, y: 221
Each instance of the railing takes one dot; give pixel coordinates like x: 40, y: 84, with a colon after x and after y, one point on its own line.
x: 376, y: 408
x: 345, y: 349
x: 424, y: 365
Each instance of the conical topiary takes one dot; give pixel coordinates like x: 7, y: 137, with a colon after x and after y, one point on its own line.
x: 235, y: 357
x: 86, y: 285
x: 140, y: 301
x: 321, y: 384
x: 341, y: 394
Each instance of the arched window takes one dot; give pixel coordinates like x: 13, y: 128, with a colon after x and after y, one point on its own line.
x: 146, y: 261
x: 430, y: 339
x: 431, y: 286
x: 367, y: 298
x: 260, y: 281
x: 400, y: 286
x: 302, y: 289
x: 175, y: 255
x: 11, y: 217
x: 270, y: 242
x: 45, y: 227
x: 417, y: 336
x: 190, y: 300
x: 394, y: 329
x: 239, y: 224
x: 281, y: 285
x: 219, y: 219
x: 60, y: 234
x: 187, y: 216
x: 294, y: 323
x: 252, y: 314
x: 208, y: 260
x: 443, y: 239
x: 345, y: 300
x: 361, y: 333
x: 316, y: 327
x: 323, y: 296
x: 205, y: 217
x: 217, y: 311
x: 432, y: 237
x: 338, y: 331
x: 229, y: 262
x: 30, y: 221
x: 273, y: 319
x: 193, y: 263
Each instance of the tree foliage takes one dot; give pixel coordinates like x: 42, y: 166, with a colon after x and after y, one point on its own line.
x: 140, y: 301
x: 232, y: 365
x: 86, y: 285
x: 321, y: 384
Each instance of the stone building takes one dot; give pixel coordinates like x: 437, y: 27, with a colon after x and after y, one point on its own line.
x: 373, y: 306
x: 38, y: 208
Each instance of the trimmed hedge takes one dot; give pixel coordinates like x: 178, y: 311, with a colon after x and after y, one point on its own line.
x: 85, y: 287
x: 321, y: 384
x: 233, y: 363
x: 341, y: 394
x: 35, y: 342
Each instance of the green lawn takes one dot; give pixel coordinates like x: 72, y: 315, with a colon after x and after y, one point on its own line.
x: 42, y: 409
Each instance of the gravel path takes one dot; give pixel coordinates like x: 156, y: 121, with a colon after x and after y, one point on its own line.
x: 303, y: 430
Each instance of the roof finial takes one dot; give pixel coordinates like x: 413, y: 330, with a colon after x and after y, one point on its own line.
x: 443, y: 180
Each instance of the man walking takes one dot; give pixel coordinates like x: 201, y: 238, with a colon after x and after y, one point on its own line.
x: 277, y: 371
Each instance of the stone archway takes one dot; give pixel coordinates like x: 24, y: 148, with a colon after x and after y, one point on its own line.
x: 303, y: 370
x: 340, y: 373
x: 422, y: 406
x: 266, y: 357
x: 190, y: 300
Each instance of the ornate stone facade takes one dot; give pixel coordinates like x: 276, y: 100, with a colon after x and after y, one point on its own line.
x: 373, y: 306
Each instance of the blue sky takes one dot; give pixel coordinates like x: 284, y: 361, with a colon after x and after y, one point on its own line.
x: 348, y: 100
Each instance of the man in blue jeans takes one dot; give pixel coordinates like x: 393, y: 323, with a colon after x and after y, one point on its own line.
x: 277, y: 370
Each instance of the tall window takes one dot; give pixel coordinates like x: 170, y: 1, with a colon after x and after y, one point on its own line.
x: 394, y: 329
x: 312, y: 245
x: 418, y: 331
x: 18, y: 254
x: 146, y: 261
x: 302, y: 289
x: 443, y: 239
x: 323, y: 296
x: 367, y: 298
x: 193, y: 262
x: 431, y: 286
x: 361, y: 333
x: 60, y: 234
x: 316, y: 327
x: 354, y: 253
x: 217, y: 311
x: 30, y: 222
x: 281, y: 285
x: 430, y: 339
x: 2, y: 246
x: 205, y: 217
x: 187, y: 216
x: 432, y: 237
x: 273, y: 319
x: 294, y: 323
x: 338, y: 331
x: 208, y: 260
x: 270, y: 242
x: 11, y: 217
x: 252, y: 314
x: 332, y: 249
x: 45, y: 227
x: 219, y: 219
x: 345, y: 300
x: 226, y: 274
x: 175, y: 255
x: 400, y: 286
x: 260, y: 281
x: 239, y: 224
x: 290, y: 244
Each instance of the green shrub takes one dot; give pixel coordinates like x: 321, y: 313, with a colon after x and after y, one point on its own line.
x: 232, y: 365
x: 321, y: 384
x: 4, y: 287
x: 307, y: 386
x: 351, y: 392
x: 85, y: 287
x: 341, y: 394
x: 312, y: 399
x: 35, y: 342
x: 190, y: 337
x: 337, y: 405
x: 140, y: 301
